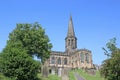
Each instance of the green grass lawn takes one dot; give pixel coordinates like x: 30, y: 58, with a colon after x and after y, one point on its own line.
x: 71, y: 76
x: 85, y: 75
x: 90, y: 77
x: 50, y: 77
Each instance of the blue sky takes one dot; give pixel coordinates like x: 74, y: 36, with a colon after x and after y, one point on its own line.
x: 95, y: 21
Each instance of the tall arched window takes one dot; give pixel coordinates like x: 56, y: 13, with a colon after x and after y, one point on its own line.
x: 68, y: 42
x: 82, y: 57
x: 87, y: 57
x: 53, y: 60
x: 65, y: 61
x: 59, y: 60
x: 72, y: 43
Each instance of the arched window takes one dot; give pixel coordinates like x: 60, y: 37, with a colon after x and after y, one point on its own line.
x: 68, y: 42
x: 65, y: 61
x: 87, y: 57
x: 53, y: 60
x: 72, y: 43
x: 82, y: 57
x: 59, y: 60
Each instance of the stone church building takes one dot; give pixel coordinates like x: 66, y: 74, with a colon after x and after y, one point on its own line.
x: 72, y: 58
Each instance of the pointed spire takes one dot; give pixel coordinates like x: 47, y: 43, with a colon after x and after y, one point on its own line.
x: 70, y: 28
x: 70, y: 40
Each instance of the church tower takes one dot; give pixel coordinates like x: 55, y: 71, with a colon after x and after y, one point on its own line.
x: 70, y: 40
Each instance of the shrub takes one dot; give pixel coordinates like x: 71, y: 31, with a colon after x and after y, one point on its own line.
x: 15, y: 63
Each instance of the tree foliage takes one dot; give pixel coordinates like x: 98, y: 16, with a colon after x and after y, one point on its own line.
x: 33, y: 39
x: 16, y: 63
x: 111, y: 66
x: 25, y: 41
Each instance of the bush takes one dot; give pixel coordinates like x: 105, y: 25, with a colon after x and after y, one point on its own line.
x: 2, y: 77
x: 15, y: 63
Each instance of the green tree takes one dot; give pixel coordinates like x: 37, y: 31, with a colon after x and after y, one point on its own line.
x: 25, y: 41
x: 111, y: 66
x: 17, y: 64
x: 33, y: 39
x: 111, y: 46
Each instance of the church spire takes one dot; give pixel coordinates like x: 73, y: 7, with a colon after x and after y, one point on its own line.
x: 71, y: 32
x: 71, y: 40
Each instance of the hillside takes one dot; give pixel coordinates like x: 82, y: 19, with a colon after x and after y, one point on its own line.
x: 72, y: 73
x: 85, y: 75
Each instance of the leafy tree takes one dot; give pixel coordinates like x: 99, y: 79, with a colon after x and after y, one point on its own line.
x: 25, y: 41
x: 111, y: 66
x: 16, y: 63
x: 111, y: 46
x: 33, y: 39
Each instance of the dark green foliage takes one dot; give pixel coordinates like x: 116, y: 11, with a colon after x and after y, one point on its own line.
x: 111, y: 66
x: 2, y: 77
x: 111, y: 46
x: 16, y: 60
x: 33, y: 39
x: 16, y: 63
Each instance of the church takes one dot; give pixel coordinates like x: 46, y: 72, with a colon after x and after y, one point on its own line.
x: 72, y: 58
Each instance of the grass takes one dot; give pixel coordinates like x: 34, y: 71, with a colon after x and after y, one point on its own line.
x: 50, y: 77
x: 90, y: 77
x: 71, y: 75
